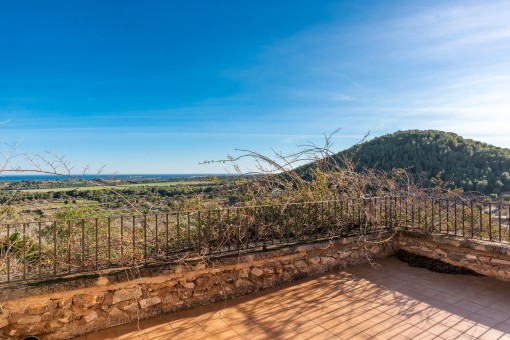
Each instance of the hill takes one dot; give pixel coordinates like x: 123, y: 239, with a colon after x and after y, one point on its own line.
x: 461, y: 162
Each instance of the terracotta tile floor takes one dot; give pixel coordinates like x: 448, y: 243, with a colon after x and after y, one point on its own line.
x: 393, y: 302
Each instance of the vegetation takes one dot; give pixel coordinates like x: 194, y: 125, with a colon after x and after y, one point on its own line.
x: 384, y: 165
x: 327, y: 176
x: 41, y: 204
x: 118, y: 187
x: 436, y: 157
x: 99, y: 183
x: 243, y: 212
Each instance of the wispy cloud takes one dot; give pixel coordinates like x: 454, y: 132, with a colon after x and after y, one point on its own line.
x: 433, y: 65
x: 378, y: 66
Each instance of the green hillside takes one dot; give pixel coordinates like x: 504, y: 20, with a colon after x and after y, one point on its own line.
x: 464, y: 163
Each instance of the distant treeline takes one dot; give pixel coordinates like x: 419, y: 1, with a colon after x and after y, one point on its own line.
x: 162, y: 197
x: 64, y: 182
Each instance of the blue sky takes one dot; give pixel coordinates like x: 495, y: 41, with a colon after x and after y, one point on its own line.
x: 159, y: 86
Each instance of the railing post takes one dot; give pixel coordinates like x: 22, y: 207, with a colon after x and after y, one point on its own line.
x: 24, y: 252
x: 238, y: 213
x: 309, y: 221
x: 455, y: 214
x: 490, y: 222
x: 97, y: 244
x: 199, y: 232
x: 419, y: 217
x: 109, y: 243
x: 302, y: 222
x: 166, y: 233
x: 7, y: 253
x: 145, y: 238
x: 432, y: 224
x: 440, y: 215
x: 220, y: 230
x: 178, y: 231
x: 499, y: 221
x: 353, y: 210
x: 69, y: 246
x: 40, y: 248
x: 412, y: 211
x: 157, y: 241
x: 189, y: 230
x: 321, y: 227
x: 122, y: 237
x: 134, y: 238
x: 229, y: 229
x: 336, y: 215
x: 264, y: 221
x: 480, y: 208
x: 209, y: 229
x: 447, y: 217
x: 385, y: 212
x: 472, y: 221
x: 55, y: 248
x: 359, y: 212
x: 463, y: 218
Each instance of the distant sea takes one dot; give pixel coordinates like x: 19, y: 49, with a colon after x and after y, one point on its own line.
x: 44, y: 177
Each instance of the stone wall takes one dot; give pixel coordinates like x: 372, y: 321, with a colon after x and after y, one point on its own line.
x: 72, y: 306
x: 487, y: 258
x: 75, y: 305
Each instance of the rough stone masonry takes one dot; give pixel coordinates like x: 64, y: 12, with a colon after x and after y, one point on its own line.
x: 72, y: 306
x: 75, y: 306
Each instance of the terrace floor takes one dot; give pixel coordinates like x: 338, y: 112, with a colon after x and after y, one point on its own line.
x: 394, y: 302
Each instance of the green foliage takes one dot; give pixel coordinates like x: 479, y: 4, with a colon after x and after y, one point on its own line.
x: 438, y: 156
x: 75, y: 229
x: 13, y: 246
x: 70, y: 213
x: 61, y: 228
x: 146, y: 198
x: 9, y: 214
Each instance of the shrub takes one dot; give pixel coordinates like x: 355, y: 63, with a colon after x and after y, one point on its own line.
x: 13, y: 246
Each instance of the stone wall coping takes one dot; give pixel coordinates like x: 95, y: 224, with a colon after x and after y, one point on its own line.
x: 495, y: 248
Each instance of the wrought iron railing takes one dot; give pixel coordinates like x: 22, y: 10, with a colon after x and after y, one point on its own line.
x: 42, y: 250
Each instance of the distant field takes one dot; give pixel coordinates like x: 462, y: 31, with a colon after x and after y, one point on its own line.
x: 118, y: 187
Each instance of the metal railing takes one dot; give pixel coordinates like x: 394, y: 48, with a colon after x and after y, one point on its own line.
x: 474, y: 218
x: 42, y: 250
